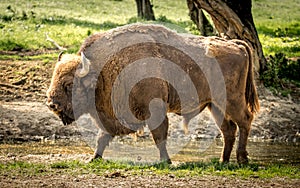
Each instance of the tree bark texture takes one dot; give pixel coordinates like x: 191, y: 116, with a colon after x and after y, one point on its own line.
x: 198, y: 17
x: 233, y: 20
x: 145, y: 9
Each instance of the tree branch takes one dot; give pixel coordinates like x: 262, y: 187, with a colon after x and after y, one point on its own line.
x: 229, y: 25
x: 54, y: 43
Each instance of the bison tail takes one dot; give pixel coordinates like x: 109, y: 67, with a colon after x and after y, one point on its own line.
x: 251, y: 93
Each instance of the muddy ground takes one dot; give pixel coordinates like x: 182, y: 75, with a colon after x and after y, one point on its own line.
x: 24, y: 117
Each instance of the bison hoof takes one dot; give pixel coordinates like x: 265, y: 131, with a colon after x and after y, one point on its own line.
x: 96, y: 157
x: 168, y: 161
x: 225, y: 161
x: 243, y: 161
x: 242, y: 158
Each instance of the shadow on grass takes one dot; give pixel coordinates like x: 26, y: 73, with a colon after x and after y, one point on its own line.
x: 214, y: 167
x: 213, y: 164
x: 179, y: 26
x: 10, y: 45
x: 286, y: 49
x: 191, y: 166
x: 293, y: 30
x: 82, y: 23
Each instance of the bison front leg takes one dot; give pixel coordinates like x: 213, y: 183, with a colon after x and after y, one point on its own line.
x: 160, y: 138
x: 102, y: 141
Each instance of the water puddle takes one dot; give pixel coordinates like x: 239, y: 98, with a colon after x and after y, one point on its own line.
x: 262, y: 152
x: 145, y: 151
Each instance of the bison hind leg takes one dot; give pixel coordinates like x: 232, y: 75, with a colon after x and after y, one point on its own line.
x: 240, y: 114
x: 228, y: 129
x: 244, y: 124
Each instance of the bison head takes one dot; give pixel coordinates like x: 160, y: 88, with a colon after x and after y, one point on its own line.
x: 70, y: 78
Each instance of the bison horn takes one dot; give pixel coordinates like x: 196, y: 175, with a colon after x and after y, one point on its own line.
x: 60, y: 55
x: 85, y: 66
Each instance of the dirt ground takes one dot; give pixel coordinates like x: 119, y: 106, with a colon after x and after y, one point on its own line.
x: 145, y: 180
x: 24, y: 117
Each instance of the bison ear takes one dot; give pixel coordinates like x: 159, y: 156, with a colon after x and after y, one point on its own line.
x: 85, y: 64
x: 60, y: 55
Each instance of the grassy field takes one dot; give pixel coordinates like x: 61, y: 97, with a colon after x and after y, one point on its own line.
x: 79, y: 165
x: 23, y: 23
x: 102, y: 167
x: 278, y: 25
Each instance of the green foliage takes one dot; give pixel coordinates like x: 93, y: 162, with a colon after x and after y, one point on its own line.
x: 46, y: 58
x: 280, y: 71
x: 100, y: 167
x: 8, y: 44
x: 67, y: 165
x: 291, y: 30
x: 12, y: 14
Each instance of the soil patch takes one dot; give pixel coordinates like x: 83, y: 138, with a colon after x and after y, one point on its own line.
x: 118, y: 179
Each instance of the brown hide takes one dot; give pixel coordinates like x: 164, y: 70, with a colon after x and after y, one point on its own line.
x: 230, y: 93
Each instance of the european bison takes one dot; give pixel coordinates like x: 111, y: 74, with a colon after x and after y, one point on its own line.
x: 117, y: 77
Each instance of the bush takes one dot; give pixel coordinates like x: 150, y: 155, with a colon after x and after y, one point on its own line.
x: 12, y: 14
x: 280, y: 71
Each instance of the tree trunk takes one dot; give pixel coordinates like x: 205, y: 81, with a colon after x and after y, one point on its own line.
x: 144, y: 9
x: 198, y: 17
x: 233, y: 20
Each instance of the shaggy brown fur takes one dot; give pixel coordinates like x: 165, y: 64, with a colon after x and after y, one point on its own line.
x: 111, y: 52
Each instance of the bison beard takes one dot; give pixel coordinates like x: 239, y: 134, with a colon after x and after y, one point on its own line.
x: 65, y: 118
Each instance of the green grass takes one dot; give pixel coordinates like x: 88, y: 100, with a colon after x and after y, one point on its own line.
x: 102, y: 167
x: 278, y: 25
x: 23, y: 23
x: 67, y: 22
x: 47, y: 57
